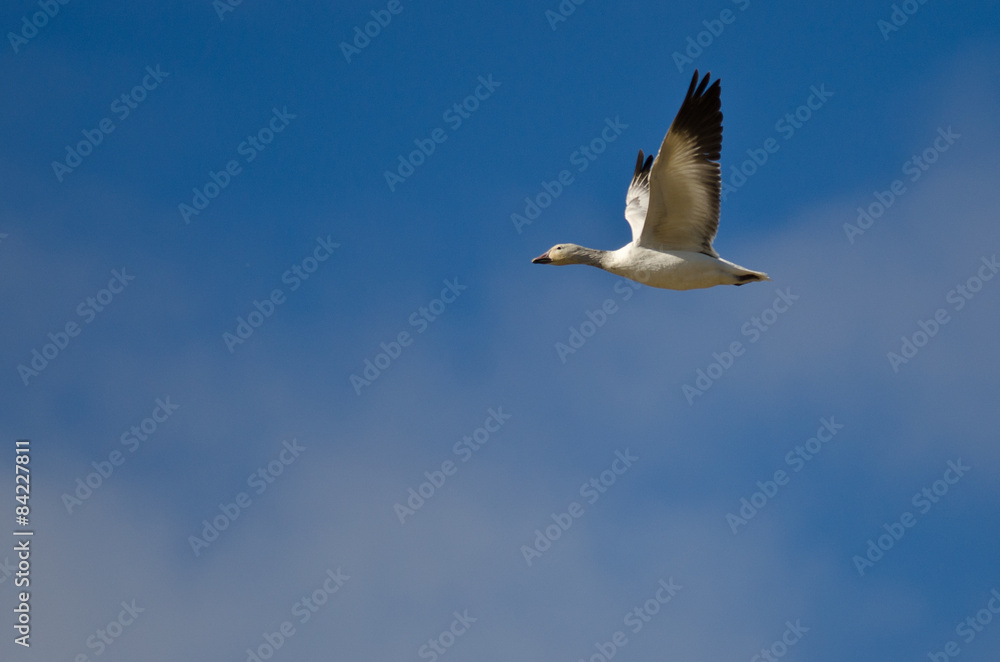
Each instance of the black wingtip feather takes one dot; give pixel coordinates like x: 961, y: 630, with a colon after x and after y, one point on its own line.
x: 701, y: 115
x: 700, y: 87
x: 700, y: 119
x: 643, y: 164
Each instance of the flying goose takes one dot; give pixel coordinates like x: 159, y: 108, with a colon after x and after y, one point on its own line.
x: 672, y: 205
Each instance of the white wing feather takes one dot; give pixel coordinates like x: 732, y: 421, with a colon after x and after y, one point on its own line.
x: 674, y: 203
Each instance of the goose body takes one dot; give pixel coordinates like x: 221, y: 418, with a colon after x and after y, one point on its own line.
x: 672, y: 206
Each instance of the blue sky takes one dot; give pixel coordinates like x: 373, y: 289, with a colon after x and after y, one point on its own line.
x: 562, y: 491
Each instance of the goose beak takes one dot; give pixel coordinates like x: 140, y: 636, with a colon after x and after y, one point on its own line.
x: 542, y: 259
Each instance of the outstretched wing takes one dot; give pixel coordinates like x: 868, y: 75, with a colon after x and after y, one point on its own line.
x: 684, y: 183
x: 637, y: 198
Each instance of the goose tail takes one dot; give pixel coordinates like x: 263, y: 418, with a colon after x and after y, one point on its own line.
x: 744, y: 276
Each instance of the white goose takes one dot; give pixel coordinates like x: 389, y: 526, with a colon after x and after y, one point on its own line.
x: 673, y: 208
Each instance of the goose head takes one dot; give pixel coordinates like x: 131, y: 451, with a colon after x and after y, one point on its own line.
x: 564, y: 254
